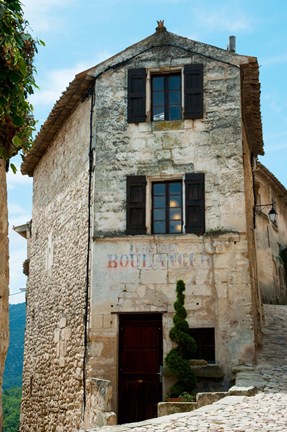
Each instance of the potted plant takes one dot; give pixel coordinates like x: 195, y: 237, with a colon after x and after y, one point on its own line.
x: 177, y: 360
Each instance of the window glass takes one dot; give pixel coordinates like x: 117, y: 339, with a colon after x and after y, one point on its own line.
x: 175, y: 214
x: 174, y: 113
x: 159, y: 227
x: 167, y: 207
x: 159, y: 188
x: 175, y: 227
x: 158, y: 83
x: 174, y: 82
x: 166, y: 97
x: 174, y: 98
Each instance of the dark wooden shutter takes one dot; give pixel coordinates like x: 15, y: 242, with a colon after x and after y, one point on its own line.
x: 136, y: 95
x: 193, y: 91
x: 136, y: 204
x: 194, y: 204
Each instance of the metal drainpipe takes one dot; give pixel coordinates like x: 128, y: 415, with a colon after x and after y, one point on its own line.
x: 90, y: 93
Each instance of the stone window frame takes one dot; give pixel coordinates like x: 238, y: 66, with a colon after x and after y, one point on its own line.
x: 164, y: 71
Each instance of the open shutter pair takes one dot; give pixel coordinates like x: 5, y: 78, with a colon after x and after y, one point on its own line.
x: 193, y: 93
x: 194, y: 204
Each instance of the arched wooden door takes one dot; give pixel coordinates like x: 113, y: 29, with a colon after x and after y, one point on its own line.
x: 140, y: 358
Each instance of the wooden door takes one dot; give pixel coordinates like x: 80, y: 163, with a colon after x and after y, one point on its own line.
x: 140, y: 358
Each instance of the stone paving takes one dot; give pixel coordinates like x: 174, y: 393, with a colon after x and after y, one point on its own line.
x: 264, y: 412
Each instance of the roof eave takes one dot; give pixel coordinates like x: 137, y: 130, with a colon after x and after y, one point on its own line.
x: 62, y: 109
x: 251, y: 113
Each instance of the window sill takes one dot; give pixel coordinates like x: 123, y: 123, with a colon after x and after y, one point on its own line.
x: 167, y: 125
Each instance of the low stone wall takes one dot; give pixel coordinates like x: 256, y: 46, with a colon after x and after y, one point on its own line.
x: 98, y: 410
x: 202, y: 399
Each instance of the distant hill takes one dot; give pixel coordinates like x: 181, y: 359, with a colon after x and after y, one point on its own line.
x: 14, y: 360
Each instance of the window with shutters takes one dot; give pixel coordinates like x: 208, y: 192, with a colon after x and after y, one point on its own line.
x: 175, y: 206
x: 174, y: 96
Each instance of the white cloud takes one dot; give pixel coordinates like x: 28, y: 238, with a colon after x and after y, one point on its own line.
x: 56, y: 81
x: 14, y: 180
x: 44, y: 16
x: 221, y: 18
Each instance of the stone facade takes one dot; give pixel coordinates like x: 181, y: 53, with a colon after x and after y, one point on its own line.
x: 271, y: 237
x: 55, y: 333
x: 137, y: 274
x: 77, y: 297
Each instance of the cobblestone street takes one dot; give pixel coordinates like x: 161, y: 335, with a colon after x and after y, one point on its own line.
x: 266, y: 411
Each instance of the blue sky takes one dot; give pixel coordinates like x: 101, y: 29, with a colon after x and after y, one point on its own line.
x: 79, y: 34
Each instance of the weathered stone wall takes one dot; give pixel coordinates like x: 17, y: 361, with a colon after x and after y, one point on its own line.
x: 4, y: 277
x: 257, y: 312
x: 271, y: 239
x: 138, y: 274
x: 54, y: 340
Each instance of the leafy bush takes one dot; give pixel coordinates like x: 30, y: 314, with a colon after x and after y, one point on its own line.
x: 177, y: 360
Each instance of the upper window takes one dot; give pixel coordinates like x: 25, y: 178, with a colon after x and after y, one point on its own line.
x: 167, y: 207
x: 173, y: 209
x: 166, y: 95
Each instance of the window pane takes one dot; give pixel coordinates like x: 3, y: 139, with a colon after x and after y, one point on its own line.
x: 159, y: 188
x: 159, y: 228
x: 167, y: 207
x: 175, y: 188
x: 175, y: 227
x: 175, y: 201
x: 158, y: 202
x: 158, y: 114
x: 174, y: 113
x: 174, y: 82
x: 158, y: 83
x: 175, y: 214
x: 158, y: 99
x: 159, y: 215
x: 174, y: 98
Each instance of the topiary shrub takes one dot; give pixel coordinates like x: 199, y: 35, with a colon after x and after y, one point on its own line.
x: 177, y: 360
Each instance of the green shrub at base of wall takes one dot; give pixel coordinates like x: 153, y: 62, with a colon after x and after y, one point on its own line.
x: 177, y: 360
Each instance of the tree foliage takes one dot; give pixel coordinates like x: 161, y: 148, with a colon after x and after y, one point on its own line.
x: 177, y: 360
x: 11, y: 409
x: 16, y: 80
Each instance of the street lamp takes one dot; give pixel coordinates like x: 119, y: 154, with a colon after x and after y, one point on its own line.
x: 272, y: 214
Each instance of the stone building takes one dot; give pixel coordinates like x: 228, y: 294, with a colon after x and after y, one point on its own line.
x: 143, y: 175
x: 271, y: 237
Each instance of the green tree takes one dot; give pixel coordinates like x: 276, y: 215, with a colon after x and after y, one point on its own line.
x: 17, y: 123
x: 177, y: 360
x: 11, y: 409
